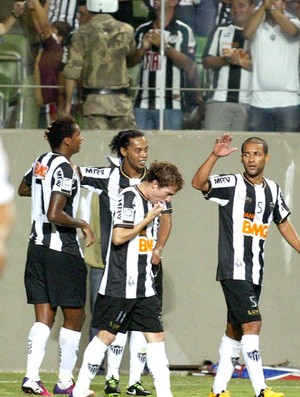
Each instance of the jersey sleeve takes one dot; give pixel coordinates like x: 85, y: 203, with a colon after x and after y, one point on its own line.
x: 220, y: 188
x: 63, y: 179
x: 95, y: 179
x: 281, y: 210
x: 28, y: 177
x: 168, y: 209
x: 125, y: 210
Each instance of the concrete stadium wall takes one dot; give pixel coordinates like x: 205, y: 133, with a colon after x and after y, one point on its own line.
x: 194, y: 309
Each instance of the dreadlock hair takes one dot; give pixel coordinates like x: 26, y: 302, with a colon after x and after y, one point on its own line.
x: 122, y: 140
x: 58, y: 130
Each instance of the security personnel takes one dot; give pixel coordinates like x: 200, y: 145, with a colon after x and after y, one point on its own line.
x: 98, y: 56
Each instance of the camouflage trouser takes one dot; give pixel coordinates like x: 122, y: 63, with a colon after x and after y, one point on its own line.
x: 95, y: 122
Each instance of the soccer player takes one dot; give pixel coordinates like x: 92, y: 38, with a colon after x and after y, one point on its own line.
x: 55, y: 273
x: 127, y: 299
x: 248, y: 202
x: 7, y: 207
x: 131, y: 147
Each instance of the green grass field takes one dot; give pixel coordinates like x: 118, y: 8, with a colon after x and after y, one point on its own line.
x: 182, y: 385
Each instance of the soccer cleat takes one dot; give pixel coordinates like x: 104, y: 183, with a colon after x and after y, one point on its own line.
x: 138, y: 390
x: 223, y: 394
x: 268, y: 392
x: 58, y: 390
x: 34, y: 387
x: 112, y: 388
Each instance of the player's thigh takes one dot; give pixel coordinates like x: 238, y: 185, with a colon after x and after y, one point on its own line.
x: 242, y: 299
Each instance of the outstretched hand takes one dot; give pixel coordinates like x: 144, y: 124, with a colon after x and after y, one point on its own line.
x: 222, y: 145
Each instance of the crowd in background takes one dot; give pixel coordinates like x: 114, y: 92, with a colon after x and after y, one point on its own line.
x: 215, y: 77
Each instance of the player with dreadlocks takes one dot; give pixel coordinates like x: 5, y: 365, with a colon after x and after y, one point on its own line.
x: 131, y: 147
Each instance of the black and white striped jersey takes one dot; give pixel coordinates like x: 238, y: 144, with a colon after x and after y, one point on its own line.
x: 245, y: 214
x: 53, y: 173
x: 229, y: 77
x: 107, y: 182
x: 157, y: 71
x: 63, y: 10
x: 128, y: 271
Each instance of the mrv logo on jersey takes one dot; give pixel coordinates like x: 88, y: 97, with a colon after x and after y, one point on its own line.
x: 225, y: 180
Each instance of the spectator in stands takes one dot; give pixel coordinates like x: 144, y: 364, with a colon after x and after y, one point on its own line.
x: 82, y: 14
x: 206, y: 14
x: 274, y: 45
x: 62, y: 10
x: 186, y: 12
x: 174, y: 69
x: 125, y: 12
x: 17, y: 11
x: 98, y: 55
x: 49, y: 64
x: 223, y: 14
x: 228, y: 56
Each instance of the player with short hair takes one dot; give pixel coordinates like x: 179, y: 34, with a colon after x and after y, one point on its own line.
x: 248, y: 203
x: 131, y: 147
x: 55, y: 273
x: 127, y: 299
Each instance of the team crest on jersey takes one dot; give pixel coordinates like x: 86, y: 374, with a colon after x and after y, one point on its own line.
x: 66, y: 185
x: 128, y: 214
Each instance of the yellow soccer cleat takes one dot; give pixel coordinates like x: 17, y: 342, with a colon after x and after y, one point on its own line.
x: 268, y: 392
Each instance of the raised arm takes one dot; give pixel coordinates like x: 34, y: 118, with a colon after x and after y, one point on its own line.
x: 17, y: 11
x: 287, y: 26
x: 256, y: 19
x: 40, y: 18
x: 221, y: 149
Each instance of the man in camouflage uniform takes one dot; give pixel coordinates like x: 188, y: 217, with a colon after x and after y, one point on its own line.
x: 98, y: 56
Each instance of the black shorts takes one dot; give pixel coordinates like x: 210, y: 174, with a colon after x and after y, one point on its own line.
x: 121, y: 315
x: 54, y: 277
x: 242, y: 301
x: 158, y: 281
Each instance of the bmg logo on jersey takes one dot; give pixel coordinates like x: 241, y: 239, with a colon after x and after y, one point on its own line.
x: 40, y: 170
x: 255, y: 229
x: 145, y: 245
